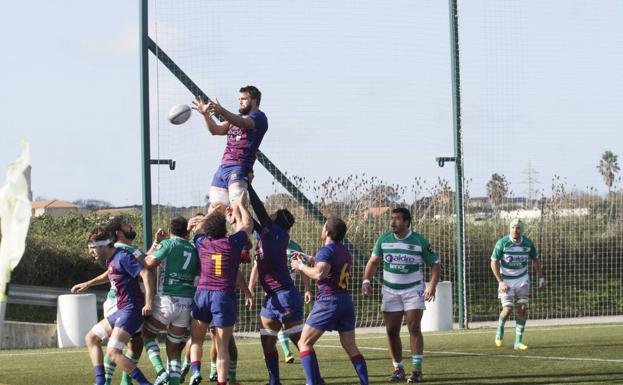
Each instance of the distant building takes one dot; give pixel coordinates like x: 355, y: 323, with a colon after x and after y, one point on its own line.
x: 53, y: 207
x: 375, y: 212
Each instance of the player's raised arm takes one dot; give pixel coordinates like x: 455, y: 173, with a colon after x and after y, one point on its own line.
x: 244, y: 121
x: 258, y: 207
x: 215, y: 128
x: 244, y: 222
x: 319, y: 271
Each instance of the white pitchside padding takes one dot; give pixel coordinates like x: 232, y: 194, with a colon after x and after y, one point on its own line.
x: 76, y: 314
x: 438, y: 313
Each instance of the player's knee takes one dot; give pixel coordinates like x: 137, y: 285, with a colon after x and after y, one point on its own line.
x: 91, y: 339
x: 174, y: 338
x: 414, y: 328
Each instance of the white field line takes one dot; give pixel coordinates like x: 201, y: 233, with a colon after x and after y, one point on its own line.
x: 334, y: 335
x: 490, y: 354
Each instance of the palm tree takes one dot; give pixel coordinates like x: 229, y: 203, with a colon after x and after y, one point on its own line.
x: 608, y: 166
x: 497, y: 188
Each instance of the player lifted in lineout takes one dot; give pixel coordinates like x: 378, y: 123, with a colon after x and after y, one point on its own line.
x: 244, y: 134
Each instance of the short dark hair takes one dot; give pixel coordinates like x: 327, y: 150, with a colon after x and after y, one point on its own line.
x: 115, y: 224
x: 336, y: 228
x: 179, y: 226
x: 254, y: 92
x: 100, y: 233
x: 215, y: 225
x: 284, y: 218
x: 406, y: 215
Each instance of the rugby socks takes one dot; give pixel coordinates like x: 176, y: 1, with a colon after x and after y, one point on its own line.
x: 212, y: 369
x: 109, y: 369
x: 399, y: 365
x: 416, y: 361
x: 359, y: 363
x: 100, y: 379
x: 272, y: 364
x: 499, y: 334
x: 196, y: 366
x: 126, y: 379
x: 153, y: 351
x: 310, y: 367
x: 175, y: 371
x: 521, y: 325
x: 138, y: 376
x: 283, y: 341
x: 233, y: 365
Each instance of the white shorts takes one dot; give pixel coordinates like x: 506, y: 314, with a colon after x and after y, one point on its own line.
x: 174, y: 311
x: 402, y: 300
x: 110, y: 306
x: 519, y: 290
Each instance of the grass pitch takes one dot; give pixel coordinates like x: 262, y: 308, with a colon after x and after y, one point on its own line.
x: 582, y: 354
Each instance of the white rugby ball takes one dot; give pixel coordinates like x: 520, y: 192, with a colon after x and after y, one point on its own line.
x: 179, y: 114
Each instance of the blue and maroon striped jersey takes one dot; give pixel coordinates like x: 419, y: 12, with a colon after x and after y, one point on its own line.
x: 242, y: 145
x: 220, y: 260
x: 123, y: 271
x: 338, y: 256
x: 272, y: 259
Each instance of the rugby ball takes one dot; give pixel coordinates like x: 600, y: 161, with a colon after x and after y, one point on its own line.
x: 179, y: 114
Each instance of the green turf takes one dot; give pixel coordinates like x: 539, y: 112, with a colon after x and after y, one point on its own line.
x: 583, y: 354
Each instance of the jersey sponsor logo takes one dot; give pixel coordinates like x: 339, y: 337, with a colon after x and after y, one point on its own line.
x: 401, y: 259
x: 233, y: 176
x: 158, y: 246
x: 515, y: 260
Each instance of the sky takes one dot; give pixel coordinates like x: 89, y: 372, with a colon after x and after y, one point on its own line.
x: 349, y: 87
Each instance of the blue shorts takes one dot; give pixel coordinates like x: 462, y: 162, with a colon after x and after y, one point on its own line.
x: 284, y: 306
x: 228, y: 174
x: 215, y: 307
x: 335, y: 312
x: 130, y: 320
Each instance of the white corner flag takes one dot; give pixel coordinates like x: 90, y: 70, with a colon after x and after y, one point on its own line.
x: 15, y: 212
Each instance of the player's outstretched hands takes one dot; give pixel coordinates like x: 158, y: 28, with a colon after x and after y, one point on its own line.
x: 199, y: 105
x: 503, y: 287
x: 79, y: 288
x: 214, y: 107
x: 297, y: 259
x: 308, y: 296
x: 194, y: 224
x: 160, y: 235
x: 429, y: 293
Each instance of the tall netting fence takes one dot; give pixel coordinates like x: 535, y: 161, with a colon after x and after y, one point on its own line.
x: 359, y: 101
x: 540, y: 85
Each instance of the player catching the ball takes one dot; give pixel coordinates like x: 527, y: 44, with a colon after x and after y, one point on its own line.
x: 245, y: 132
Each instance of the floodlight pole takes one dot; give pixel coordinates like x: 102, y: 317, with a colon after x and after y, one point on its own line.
x: 458, y: 162
x: 145, y: 134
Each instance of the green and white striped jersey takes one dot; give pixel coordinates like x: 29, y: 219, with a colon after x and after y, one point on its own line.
x: 179, y: 264
x: 138, y: 254
x: 513, y: 257
x: 403, y: 259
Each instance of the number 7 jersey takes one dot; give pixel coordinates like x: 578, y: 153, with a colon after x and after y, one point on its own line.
x: 340, y: 260
x: 178, y: 267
